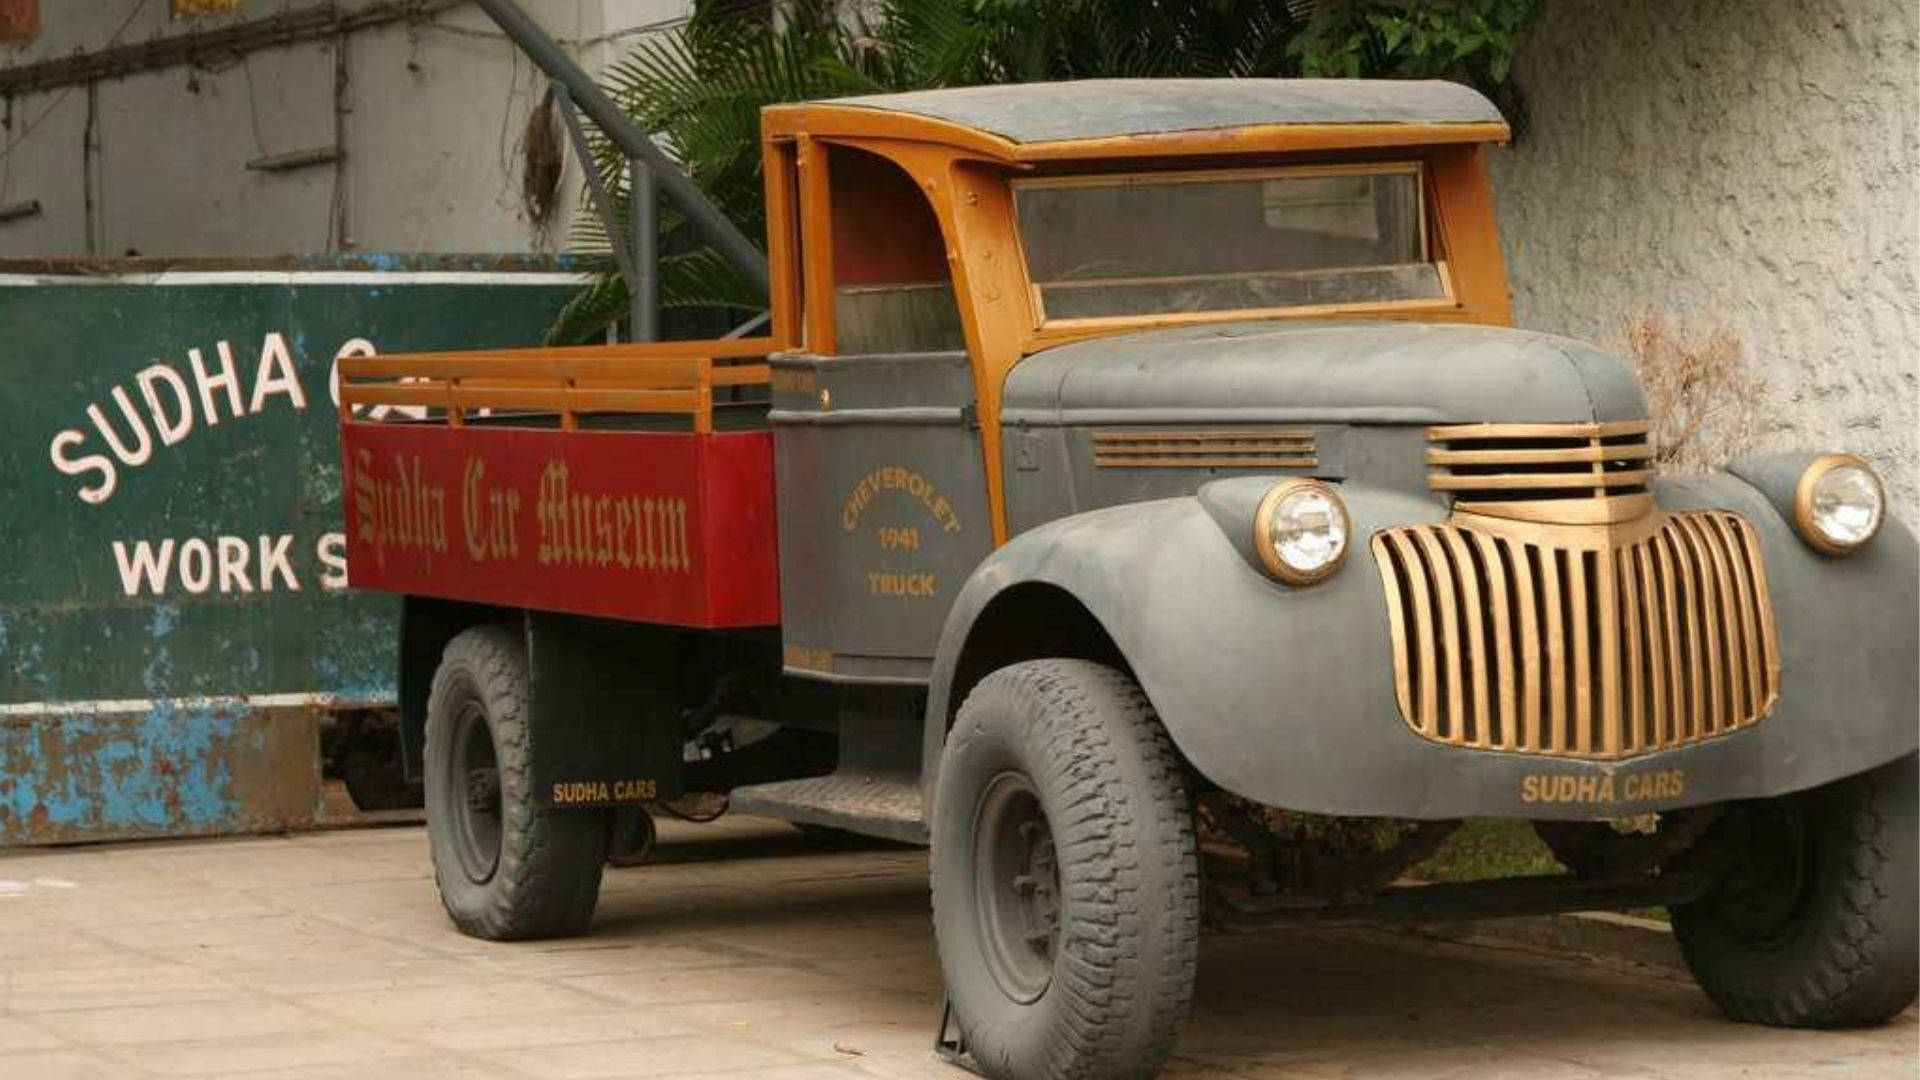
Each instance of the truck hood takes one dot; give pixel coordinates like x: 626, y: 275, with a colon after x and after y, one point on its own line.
x: 1325, y: 372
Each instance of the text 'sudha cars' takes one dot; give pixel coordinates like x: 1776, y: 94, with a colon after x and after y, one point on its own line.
x: 1128, y: 461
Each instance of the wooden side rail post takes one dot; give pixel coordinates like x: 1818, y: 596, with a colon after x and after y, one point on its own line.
x: 703, y: 412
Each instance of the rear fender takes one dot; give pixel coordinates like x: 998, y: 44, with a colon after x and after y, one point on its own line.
x: 604, y: 720
x: 426, y: 625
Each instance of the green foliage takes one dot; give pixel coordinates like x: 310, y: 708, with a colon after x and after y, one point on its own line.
x: 1469, y: 41
x: 1484, y: 849
x: 700, y: 88
x: 925, y: 43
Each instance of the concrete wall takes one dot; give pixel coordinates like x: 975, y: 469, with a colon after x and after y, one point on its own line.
x: 1748, y: 164
x: 432, y: 122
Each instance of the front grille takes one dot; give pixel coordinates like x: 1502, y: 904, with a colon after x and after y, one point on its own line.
x: 1592, y: 652
x: 1235, y: 448
x: 1590, y: 472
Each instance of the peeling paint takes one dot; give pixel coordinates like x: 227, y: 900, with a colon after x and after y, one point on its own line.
x: 169, y: 770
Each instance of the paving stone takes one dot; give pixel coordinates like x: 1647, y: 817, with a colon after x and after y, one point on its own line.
x: 229, y: 1018
x: 744, y: 984
x: 748, y: 951
x: 405, y: 1009
x: 668, y: 1056
x: 552, y: 1029
x: 17, y: 1036
x: 347, y: 1051
x: 810, y: 1071
x: 365, y: 975
x: 132, y: 983
x: 64, y: 1065
x: 597, y: 956
x: 412, y: 1068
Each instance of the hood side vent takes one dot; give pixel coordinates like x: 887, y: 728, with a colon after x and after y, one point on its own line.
x: 1218, y: 448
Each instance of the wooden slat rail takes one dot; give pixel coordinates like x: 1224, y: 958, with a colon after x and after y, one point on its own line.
x: 645, y: 377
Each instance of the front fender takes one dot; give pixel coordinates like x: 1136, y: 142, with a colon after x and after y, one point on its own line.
x: 1242, y: 669
x: 1285, y: 695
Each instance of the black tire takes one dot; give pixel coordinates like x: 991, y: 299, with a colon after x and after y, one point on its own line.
x: 1110, y: 948
x: 630, y: 836
x: 510, y: 872
x: 374, y: 770
x: 1815, y: 922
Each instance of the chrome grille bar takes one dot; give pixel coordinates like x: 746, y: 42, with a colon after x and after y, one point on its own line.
x: 1500, y: 643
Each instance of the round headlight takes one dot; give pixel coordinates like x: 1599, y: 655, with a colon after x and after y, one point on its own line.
x: 1300, y: 531
x: 1838, y: 504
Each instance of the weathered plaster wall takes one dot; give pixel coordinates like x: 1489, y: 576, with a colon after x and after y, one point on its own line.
x: 1752, y: 164
x: 431, y: 131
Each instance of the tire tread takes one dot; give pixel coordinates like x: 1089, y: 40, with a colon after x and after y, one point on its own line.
x: 1123, y: 998
x: 1854, y: 962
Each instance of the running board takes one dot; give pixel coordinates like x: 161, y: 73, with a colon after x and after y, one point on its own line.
x: 874, y: 805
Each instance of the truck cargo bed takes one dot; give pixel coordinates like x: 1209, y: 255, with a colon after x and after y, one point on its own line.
x: 543, y: 479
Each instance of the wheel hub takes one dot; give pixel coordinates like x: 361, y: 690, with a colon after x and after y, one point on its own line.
x: 475, y: 784
x: 483, y: 790
x: 1017, y: 887
x: 1766, y: 886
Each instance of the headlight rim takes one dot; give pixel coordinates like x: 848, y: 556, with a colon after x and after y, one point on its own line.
x: 1803, y: 503
x: 1262, y: 531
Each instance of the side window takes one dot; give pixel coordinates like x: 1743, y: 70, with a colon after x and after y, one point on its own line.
x: 892, y: 289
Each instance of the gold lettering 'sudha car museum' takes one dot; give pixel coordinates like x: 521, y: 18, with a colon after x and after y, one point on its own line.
x: 1127, y: 462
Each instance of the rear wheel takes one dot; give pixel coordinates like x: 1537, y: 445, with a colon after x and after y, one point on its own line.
x: 1815, y: 921
x: 505, y: 869
x: 1065, y: 882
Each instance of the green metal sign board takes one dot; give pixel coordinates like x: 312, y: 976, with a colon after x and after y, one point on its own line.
x: 173, y: 602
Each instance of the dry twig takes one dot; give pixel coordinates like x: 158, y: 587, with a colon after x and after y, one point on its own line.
x: 1704, y: 395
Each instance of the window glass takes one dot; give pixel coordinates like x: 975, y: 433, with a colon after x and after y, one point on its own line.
x: 1170, y: 243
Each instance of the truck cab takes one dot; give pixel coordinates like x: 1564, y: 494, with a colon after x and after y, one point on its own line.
x: 1130, y: 465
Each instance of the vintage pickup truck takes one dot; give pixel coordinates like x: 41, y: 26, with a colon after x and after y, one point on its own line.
x: 1132, y: 470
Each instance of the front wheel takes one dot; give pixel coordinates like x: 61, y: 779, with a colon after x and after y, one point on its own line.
x: 506, y: 870
x: 1065, y: 883
x: 1815, y: 921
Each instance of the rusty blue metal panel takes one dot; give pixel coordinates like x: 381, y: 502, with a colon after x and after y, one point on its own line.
x: 173, y: 617
x: 167, y: 768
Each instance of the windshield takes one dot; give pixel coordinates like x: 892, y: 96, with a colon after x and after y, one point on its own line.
x: 1162, y: 243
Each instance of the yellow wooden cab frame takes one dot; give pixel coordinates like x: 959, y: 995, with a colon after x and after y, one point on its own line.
x: 968, y: 176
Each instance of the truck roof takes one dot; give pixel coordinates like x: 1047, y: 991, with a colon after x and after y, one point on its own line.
x: 1027, y: 120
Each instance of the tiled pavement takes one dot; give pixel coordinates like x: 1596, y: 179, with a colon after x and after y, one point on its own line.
x: 748, y: 952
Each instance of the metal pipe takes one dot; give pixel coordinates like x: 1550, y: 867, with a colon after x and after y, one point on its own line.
x: 748, y: 327
x: 714, y: 227
x: 597, y: 192
x: 643, y: 292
